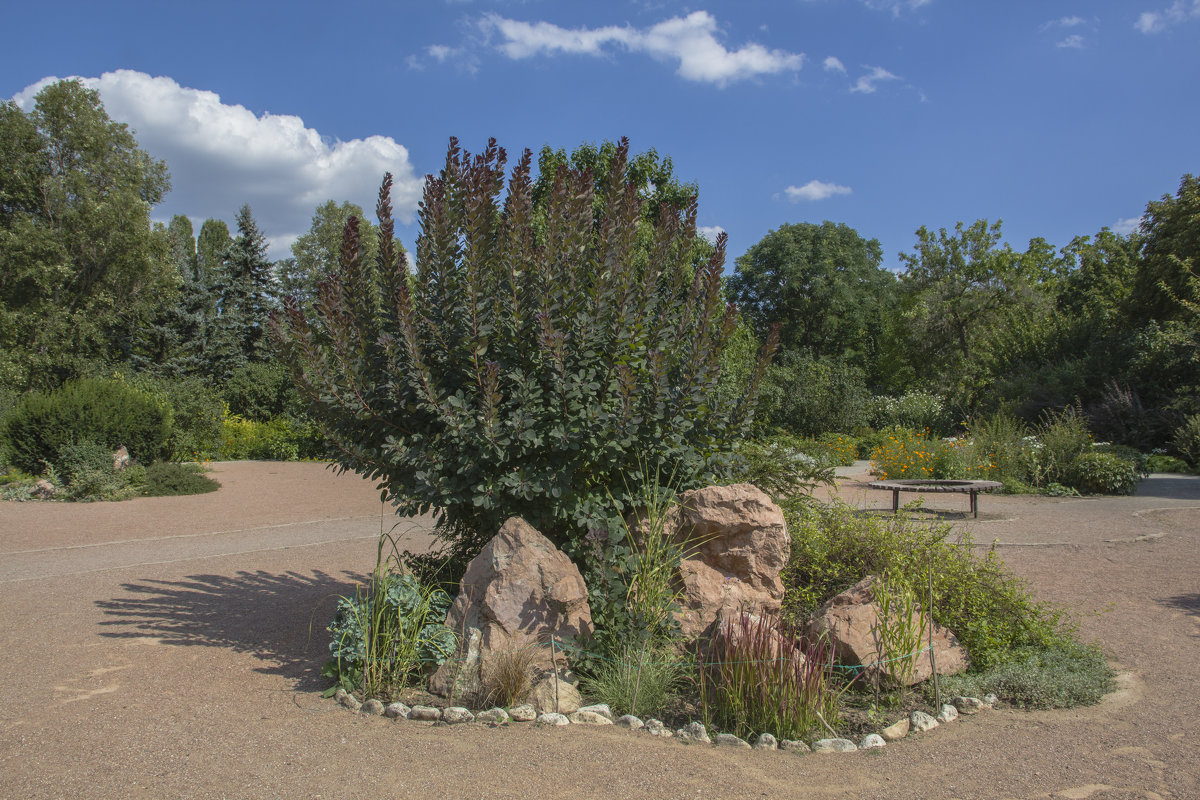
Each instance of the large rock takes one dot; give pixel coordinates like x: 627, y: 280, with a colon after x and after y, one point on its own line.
x: 737, y: 543
x: 518, y: 592
x: 850, y: 619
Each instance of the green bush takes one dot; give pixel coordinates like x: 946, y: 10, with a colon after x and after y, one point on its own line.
x: 1061, y: 438
x: 1102, y: 473
x: 87, y: 473
x: 919, y: 411
x: 780, y: 467
x: 108, y: 413
x: 1063, y: 675
x: 1186, y: 440
x: 246, y: 439
x: 260, y: 391
x: 804, y: 396
x: 165, y: 479
x: 542, y: 349
x: 197, y: 412
x: 834, y: 546
x: 1159, y: 462
x: 637, y: 680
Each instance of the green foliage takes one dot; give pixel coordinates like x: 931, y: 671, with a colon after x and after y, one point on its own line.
x: 989, y: 609
x: 915, y: 410
x: 105, y: 412
x: 1160, y: 462
x: 80, y: 266
x: 760, y: 676
x: 1103, y: 473
x: 274, y: 440
x: 638, y: 679
x: 1063, y: 675
x: 166, y: 479
x: 824, y: 283
x: 197, y: 413
x: 1002, y: 440
x: 898, y: 631
x: 1170, y: 237
x: 389, y: 634
x: 1061, y: 438
x: 780, y: 467
x: 807, y: 397
x: 86, y: 469
x: 1186, y: 440
x: 516, y: 374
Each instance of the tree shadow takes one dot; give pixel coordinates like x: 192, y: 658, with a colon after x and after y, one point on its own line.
x: 1184, y: 602
x: 278, y: 618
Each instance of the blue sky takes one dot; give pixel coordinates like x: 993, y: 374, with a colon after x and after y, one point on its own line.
x: 1058, y: 117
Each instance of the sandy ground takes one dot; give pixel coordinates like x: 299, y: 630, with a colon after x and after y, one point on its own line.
x: 168, y: 648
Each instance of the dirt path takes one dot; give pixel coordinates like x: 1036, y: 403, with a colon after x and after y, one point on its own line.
x: 167, y: 648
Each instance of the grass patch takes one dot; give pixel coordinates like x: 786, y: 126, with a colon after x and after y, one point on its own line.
x: 639, y: 680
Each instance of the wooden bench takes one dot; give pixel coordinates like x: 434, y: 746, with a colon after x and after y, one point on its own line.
x: 973, y: 488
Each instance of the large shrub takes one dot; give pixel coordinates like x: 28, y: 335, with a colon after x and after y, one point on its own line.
x: 523, y: 370
x: 103, y: 412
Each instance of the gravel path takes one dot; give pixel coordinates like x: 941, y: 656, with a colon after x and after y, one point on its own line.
x: 168, y: 647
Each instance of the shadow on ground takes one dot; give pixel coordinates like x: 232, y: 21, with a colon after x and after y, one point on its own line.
x: 1184, y: 602
x: 279, y: 618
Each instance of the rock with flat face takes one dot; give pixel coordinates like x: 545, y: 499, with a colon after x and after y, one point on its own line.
x: 736, y: 543
x: 561, y: 699
x: 850, y: 620
x: 520, y: 591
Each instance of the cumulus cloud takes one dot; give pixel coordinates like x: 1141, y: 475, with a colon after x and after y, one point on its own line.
x: 1126, y: 225
x: 1158, y: 21
x: 833, y: 64
x: 1063, y: 22
x: 690, y: 41
x: 710, y: 232
x: 221, y: 156
x: 866, y: 83
x: 815, y: 190
x: 1073, y: 41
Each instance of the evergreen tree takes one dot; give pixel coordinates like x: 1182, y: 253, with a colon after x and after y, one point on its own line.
x: 244, y: 289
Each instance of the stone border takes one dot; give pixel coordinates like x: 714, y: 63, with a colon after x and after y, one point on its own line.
x: 692, y: 733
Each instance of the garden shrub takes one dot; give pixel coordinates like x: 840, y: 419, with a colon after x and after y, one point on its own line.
x: 640, y: 680
x: 197, y: 413
x: 109, y: 413
x: 1160, y: 462
x: 806, y: 396
x: 914, y: 410
x: 840, y: 450
x: 1061, y: 437
x: 906, y: 454
x: 1186, y: 441
x: 164, y: 479
x: 87, y: 472
x: 247, y: 439
x: 780, y: 467
x: 1063, y: 675
x: 523, y: 372
x: 834, y: 546
x: 1102, y: 473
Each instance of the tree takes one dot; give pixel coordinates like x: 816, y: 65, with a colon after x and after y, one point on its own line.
x: 1170, y: 236
x: 316, y: 253
x: 80, y: 265
x: 211, y: 247
x: 823, y: 284
x: 244, y: 292
x: 512, y: 376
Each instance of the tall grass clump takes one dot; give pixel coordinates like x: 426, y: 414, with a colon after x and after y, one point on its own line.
x: 639, y: 679
x: 759, y: 676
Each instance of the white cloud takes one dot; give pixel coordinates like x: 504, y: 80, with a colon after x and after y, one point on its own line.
x: 866, y: 83
x: 815, y: 190
x: 1063, y: 22
x: 710, y: 232
x: 1158, y: 21
x: 1073, y: 41
x: 833, y: 64
x: 1126, y: 226
x: 691, y: 41
x: 221, y: 156
x: 896, y: 6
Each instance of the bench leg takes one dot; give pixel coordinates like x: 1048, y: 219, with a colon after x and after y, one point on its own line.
x: 895, y: 501
x: 975, y: 505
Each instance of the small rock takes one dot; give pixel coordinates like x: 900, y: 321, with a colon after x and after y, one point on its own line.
x: 339, y: 696
x: 693, y: 732
x: 990, y: 700
x: 351, y: 702
x: 425, y: 713
x: 582, y: 717
x: 922, y: 721
x: 968, y: 705
x: 396, y: 711
x: 493, y: 716
x: 729, y: 740
x: 43, y: 490
x: 565, y: 699
x: 871, y: 741
x: 833, y: 746
x: 794, y: 746
x: 372, y: 707
x: 766, y: 741
x: 896, y: 731
x: 523, y: 713
x: 654, y: 727
x: 456, y: 715
x: 600, y: 708
x: 553, y: 719
x: 121, y: 459
x: 948, y: 713
x: 631, y: 722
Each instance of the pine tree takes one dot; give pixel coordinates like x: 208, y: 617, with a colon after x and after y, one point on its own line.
x: 244, y: 304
